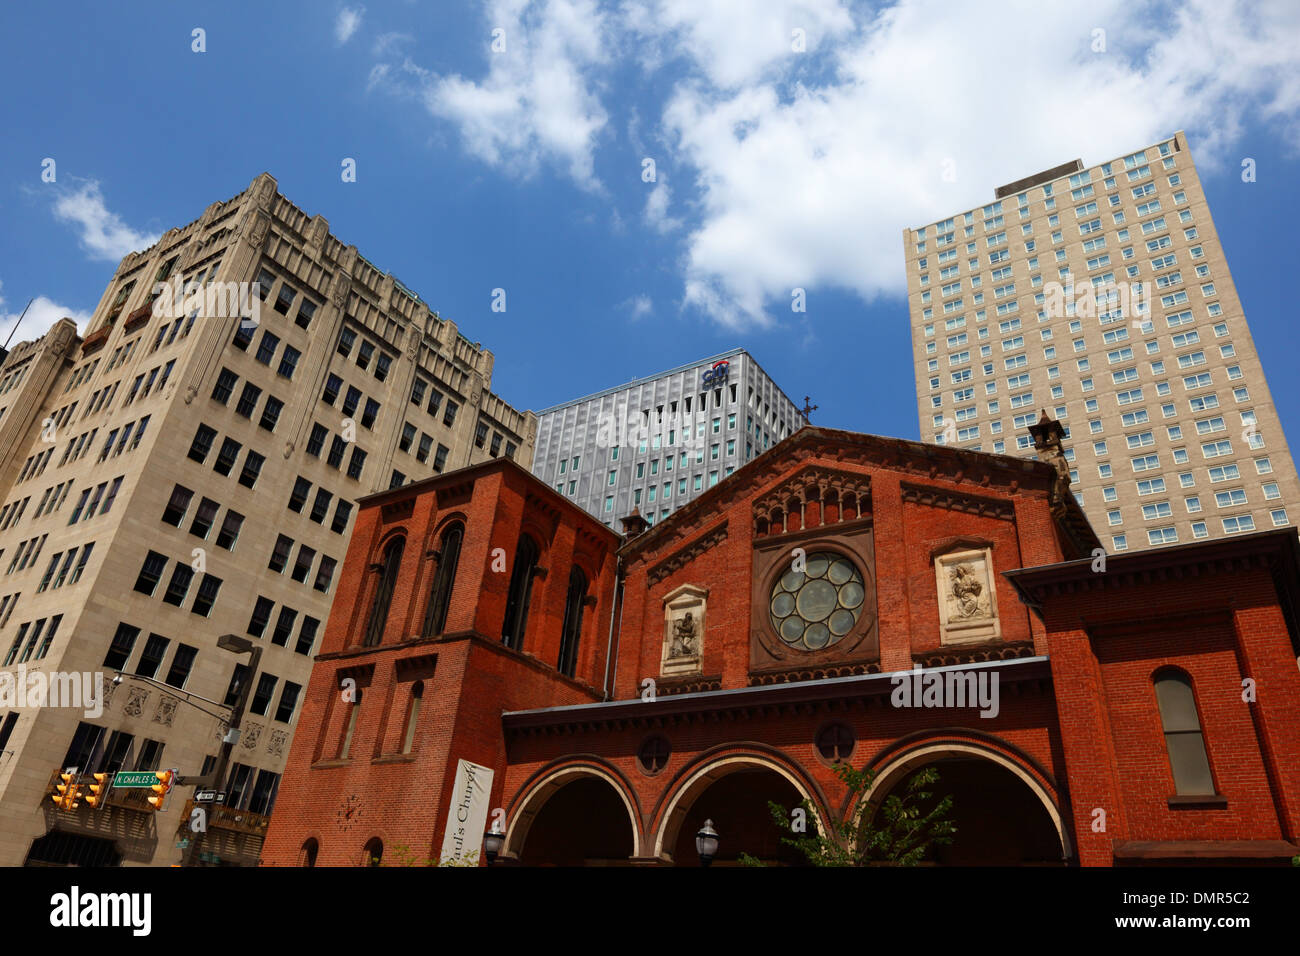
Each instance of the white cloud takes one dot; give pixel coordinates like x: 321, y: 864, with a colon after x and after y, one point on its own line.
x: 347, y: 23
x: 42, y: 314
x: 386, y: 43
x: 103, y: 234
x: 637, y: 307
x: 537, y: 102
x: 803, y: 169
x: 656, y: 208
x: 812, y: 185
x: 734, y: 42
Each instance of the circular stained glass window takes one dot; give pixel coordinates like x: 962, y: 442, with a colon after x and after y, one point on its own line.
x: 817, y: 606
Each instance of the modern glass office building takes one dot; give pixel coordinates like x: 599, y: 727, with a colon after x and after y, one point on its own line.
x: 658, y: 442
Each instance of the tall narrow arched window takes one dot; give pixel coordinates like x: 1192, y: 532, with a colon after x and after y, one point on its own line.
x: 435, y: 615
x: 572, y: 622
x: 521, y: 590
x: 412, y: 716
x: 1183, y: 738
x: 309, y: 851
x: 384, y: 592
x: 373, y: 852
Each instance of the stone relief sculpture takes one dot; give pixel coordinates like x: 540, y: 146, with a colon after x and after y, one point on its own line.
x: 684, y: 611
x: 966, y: 594
x: 684, y: 637
x: 967, y: 597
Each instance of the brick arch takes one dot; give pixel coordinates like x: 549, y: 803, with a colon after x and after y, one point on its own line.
x: 894, y: 763
x: 533, y: 795
x: 696, y: 777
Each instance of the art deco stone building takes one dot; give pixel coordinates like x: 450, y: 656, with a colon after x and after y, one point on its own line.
x: 1026, y: 304
x: 596, y: 698
x: 178, y: 476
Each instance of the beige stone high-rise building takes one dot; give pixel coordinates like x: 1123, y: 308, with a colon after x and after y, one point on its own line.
x: 177, y: 476
x: 1029, y: 304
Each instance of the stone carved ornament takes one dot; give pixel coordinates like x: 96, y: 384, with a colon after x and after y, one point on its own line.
x: 683, y: 637
x: 968, y: 608
x: 966, y: 598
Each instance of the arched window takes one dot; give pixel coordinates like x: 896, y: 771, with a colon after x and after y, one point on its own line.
x: 309, y: 851
x: 521, y: 590
x: 384, y: 592
x: 572, y: 622
x: 1183, y: 737
x: 412, y: 716
x: 435, y: 616
x: 373, y: 854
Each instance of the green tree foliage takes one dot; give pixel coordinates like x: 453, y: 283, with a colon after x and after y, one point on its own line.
x: 899, y: 834
x: 401, y: 855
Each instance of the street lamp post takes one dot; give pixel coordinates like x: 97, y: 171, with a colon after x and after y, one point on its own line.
x: 236, y: 645
x: 706, y: 843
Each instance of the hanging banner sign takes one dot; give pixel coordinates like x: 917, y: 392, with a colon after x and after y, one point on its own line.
x: 467, y: 821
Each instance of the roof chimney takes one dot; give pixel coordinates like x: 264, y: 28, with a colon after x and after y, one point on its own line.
x: 634, y: 524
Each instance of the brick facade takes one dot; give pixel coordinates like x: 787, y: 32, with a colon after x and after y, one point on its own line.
x: 582, y: 773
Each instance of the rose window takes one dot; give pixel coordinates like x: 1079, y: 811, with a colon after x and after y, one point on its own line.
x: 817, y: 606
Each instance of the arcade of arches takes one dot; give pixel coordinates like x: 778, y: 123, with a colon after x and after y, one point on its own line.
x: 585, y: 821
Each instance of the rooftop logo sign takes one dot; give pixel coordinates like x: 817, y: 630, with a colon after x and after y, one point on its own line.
x: 715, y: 375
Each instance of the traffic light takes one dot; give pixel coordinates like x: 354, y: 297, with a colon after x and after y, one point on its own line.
x: 99, y: 789
x: 166, y: 780
x: 69, y: 792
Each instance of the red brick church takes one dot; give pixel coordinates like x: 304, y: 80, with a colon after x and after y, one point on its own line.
x: 498, y: 658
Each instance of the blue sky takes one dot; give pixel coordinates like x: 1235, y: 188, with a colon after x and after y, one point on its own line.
x: 523, y: 168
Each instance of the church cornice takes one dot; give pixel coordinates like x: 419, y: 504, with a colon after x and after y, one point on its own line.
x: 679, y: 559
x: 954, y: 500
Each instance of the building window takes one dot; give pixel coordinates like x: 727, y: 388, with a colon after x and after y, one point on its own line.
x: 266, y: 348
x: 209, y: 587
x: 120, y: 650
x: 248, y: 400
x: 302, y: 566
x: 150, y: 573
x: 412, y: 716
x: 280, y: 554
x: 182, y: 574
x: 384, y: 591
x: 226, y: 457
x: 203, y: 518
x: 324, y: 574
x: 288, y: 362
x: 835, y: 742
x: 177, y: 505
x: 284, y: 626
x: 182, y: 662
x: 225, y: 386
x: 202, y: 443
x: 298, y: 497
x: 330, y: 393
x: 252, y: 468
x: 271, y: 413
x: 435, y: 617
x: 356, y: 463
x: 262, y: 696
x: 261, y: 615
x: 307, y: 635
x: 572, y: 632
x: 151, y: 657
x: 1184, y: 741
x: 521, y: 586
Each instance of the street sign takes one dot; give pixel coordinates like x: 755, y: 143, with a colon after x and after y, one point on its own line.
x: 209, y: 796
x: 135, y: 778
